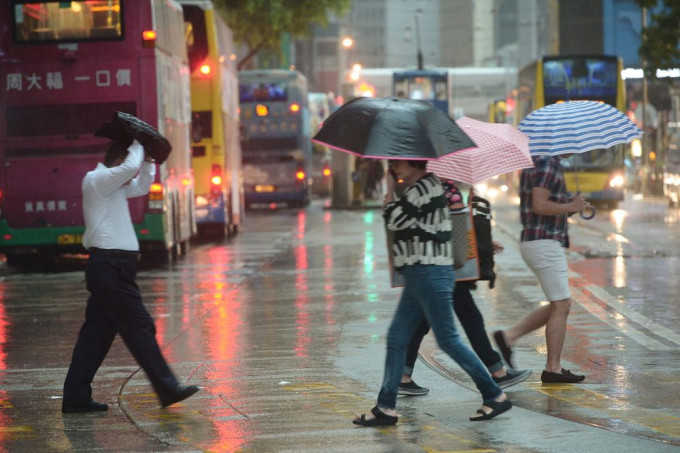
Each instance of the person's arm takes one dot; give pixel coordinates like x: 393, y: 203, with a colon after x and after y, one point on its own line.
x: 541, y: 204
x: 400, y: 213
x: 140, y: 185
x: 115, y: 177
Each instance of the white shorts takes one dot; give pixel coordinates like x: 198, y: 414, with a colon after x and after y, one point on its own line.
x: 548, y: 259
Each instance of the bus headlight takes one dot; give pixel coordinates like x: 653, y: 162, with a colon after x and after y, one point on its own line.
x: 616, y: 181
x: 201, y: 201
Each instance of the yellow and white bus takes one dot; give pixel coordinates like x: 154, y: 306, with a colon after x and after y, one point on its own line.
x: 216, y: 149
x: 598, y: 174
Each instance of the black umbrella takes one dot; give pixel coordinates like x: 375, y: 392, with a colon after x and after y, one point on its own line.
x: 392, y: 128
x: 125, y: 127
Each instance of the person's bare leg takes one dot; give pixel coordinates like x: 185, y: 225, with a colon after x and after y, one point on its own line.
x: 534, y: 320
x: 555, y: 332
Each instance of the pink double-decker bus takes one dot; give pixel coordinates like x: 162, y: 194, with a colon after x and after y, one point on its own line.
x: 65, y: 69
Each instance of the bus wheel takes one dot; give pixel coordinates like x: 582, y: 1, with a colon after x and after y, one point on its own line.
x: 22, y: 261
x: 184, y: 247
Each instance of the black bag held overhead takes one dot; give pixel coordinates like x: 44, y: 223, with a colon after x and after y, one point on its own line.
x: 481, y: 215
x: 125, y: 128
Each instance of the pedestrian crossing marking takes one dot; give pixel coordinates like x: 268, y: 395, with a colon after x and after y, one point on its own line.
x: 615, y: 408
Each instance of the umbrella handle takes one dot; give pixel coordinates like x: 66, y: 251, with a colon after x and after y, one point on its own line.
x: 588, y: 217
x: 591, y: 208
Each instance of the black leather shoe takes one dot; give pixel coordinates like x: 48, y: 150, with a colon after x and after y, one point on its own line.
x: 565, y: 377
x: 180, y: 394
x: 68, y: 407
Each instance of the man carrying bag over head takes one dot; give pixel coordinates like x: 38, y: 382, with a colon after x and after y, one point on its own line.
x: 115, y: 303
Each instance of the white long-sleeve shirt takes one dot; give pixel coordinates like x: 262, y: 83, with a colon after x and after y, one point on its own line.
x: 107, y: 216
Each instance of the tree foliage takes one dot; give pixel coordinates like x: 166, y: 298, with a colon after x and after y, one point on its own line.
x: 261, y: 24
x: 660, y: 39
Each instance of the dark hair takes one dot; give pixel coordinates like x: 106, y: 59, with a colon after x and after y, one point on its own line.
x: 117, y: 150
x: 415, y: 163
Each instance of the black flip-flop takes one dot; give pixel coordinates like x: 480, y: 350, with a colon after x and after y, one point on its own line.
x: 497, y: 408
x: 506, y: 351
x: 381, y: 419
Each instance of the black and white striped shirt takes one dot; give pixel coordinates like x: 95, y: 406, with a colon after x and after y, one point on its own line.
x: 421, y: 225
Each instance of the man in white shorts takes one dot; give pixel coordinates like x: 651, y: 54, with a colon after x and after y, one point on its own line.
x: 544, y: 207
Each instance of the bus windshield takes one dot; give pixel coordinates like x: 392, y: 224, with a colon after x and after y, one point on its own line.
x: 196, y: 36
x: 599, y: 158
x: 569, y: 79
x: 80, y: 20
x: 262, y: 92
x: 424, y: 88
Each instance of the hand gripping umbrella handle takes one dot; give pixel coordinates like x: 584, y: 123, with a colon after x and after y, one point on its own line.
x: 591, y: 209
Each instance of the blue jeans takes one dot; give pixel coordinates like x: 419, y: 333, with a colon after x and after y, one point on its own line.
x: 473, y: 324
x: 428, y: 293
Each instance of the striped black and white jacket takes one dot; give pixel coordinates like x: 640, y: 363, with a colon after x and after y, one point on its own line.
x: 421, y: 225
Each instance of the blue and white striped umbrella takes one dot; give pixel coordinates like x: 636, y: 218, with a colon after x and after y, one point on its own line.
x: 576, y: 127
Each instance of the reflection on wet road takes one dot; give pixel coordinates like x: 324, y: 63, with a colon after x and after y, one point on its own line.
x: 284, y: 328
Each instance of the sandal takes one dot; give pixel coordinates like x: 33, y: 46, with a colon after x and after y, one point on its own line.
x: 381, y: 419
x: 497, y: 408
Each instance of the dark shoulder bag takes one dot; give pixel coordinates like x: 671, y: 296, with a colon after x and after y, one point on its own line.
x: 481, y: 216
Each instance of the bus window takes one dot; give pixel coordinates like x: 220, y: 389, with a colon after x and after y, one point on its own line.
x: 440, y: 90
x: 263, y: 92
x: 195, y: 35
x: 67, y: 21
x: 421, y: 88
x: 400, y: 87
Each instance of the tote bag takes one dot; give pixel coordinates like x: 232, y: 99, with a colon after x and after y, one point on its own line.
x: 464, y: 242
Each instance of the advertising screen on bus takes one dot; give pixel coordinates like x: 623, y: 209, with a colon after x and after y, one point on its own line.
x: 263, y: 92
x: 571, y: 79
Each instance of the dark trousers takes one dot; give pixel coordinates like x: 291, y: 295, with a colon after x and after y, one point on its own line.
x: 115, y: 306
x: 473, y: 324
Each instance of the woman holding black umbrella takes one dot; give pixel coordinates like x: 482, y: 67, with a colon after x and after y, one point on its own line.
x: 421, y: 225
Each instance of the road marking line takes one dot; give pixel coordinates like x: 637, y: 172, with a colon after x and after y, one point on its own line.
x: 620, y: 325
x: 652, y: 419
x: 614, y: 303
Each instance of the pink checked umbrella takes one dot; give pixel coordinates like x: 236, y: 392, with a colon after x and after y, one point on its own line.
x: 501, y: 148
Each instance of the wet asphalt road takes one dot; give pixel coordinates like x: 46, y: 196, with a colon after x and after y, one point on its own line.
x: 284, y: 327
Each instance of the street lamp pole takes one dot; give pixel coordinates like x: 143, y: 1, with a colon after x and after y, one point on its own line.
x: 341, y: 193
x: 420, y: 51
x: 645, y: 151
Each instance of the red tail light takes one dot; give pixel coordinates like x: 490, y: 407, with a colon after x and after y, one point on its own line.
x: 326, y: 172
x: 300, y: 175
x: 294, y: 107
x: 149, y: 38
x: 205, y: 69
x: 216, y: 178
